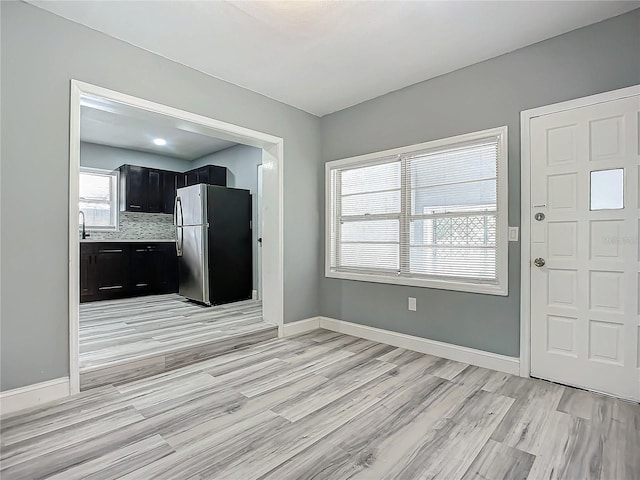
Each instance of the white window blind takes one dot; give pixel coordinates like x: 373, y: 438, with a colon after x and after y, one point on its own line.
x: 432, y: 215
x: 99, y: 198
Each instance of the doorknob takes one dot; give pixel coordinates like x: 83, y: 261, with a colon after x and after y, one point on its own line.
x: 539, y: 262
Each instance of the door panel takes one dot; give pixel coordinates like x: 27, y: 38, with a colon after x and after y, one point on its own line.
x: 87, y: 275
x: 111, y: 269
x: 585, y: 315
x: 134, y: 188
x: 192, y: 208
x: 194, y: 282
x: 169, y: 180
x: 154, y: 191
x: 230, y: 253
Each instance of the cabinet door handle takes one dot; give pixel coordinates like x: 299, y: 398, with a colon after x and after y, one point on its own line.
x: 141, y: 284
x: 135, y: 206
x: 110, y: 288
x: 115, y: 250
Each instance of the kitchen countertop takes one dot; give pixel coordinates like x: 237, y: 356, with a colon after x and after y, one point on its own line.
x: 119, y: 240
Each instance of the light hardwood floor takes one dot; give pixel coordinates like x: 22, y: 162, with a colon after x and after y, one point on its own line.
x: 326, y: 406
x: 123, y: 340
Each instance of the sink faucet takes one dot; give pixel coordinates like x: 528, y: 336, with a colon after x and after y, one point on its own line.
x: 84, y: 233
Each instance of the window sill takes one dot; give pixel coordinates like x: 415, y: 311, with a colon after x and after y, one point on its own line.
x: 499, y: 290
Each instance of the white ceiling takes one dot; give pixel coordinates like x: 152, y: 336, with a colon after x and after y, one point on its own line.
x: 323, y: 56
x: 110, y: 123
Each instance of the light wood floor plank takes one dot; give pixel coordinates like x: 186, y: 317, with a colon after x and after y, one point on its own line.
x: 500, y: 462
x: 326, y: 406
x: 129, y: 339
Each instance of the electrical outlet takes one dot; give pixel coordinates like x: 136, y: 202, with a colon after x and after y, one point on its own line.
x: 412, y: 304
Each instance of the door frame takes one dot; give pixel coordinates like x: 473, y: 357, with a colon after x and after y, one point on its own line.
x: 525, y: 202
x: 272, y: 270
x: 258, y: 244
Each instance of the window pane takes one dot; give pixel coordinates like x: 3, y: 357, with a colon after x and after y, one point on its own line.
x: 454, y: 166
x: 371, y: 231
x: 367, y: 255
x: 97, y: 214
x: 97, y: 199
x: 454, y: 262
x: 607, y: 189
x: 371, y: 179
x: 371, y: 203
x: 95, y: 186
x: 456, y: 231
x: 451, y: 198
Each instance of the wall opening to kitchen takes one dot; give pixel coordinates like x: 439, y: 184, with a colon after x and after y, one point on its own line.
x: 168, y: 246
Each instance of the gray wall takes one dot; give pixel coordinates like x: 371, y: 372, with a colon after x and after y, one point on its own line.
x: 242, y: 163
x: 594, y: 59
x: 110, y: 158
x: 40, y: 54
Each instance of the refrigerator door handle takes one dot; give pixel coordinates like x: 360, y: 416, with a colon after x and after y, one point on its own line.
x: 179, y: 228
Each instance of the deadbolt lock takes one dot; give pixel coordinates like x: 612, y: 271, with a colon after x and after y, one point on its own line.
x: 539, y: 262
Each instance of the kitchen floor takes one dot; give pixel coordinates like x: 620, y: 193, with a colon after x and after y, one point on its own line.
x: 126, y: 339
x: 326, y: 406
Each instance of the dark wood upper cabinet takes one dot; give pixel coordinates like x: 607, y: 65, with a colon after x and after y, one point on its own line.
x: 181, y: 180
x: 133, y: 188
x: 155, y: 197
x: 152, y: 190
x: 209, y: 174
x: 192, y: 177
x: 141, y: 189
x: 169, y: 187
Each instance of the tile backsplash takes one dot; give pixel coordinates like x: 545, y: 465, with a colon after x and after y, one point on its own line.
x: 140, y: 226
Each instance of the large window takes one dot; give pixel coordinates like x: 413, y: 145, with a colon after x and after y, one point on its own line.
x: 99, y: 198
x: 432, y: 215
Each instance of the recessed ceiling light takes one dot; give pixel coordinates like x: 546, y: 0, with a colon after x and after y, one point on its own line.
x: 159, y: 141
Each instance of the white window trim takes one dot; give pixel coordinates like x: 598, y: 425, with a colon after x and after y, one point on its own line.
x: 116, y: 193
x: 502, y: 234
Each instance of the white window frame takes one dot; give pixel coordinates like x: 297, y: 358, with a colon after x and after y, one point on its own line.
x: 115, y: 200
x: 501, y: 287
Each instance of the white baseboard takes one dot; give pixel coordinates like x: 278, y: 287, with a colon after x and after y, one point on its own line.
x: 33, y: 395
x: 480, y: 358
x: 301, y: 326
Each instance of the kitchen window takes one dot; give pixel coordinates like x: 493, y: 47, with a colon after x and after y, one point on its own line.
x: 99, y: 198
x: 428, y: 215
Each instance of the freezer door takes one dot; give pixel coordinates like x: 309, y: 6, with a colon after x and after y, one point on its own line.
x: 193, y: 204
x: 194, y: 264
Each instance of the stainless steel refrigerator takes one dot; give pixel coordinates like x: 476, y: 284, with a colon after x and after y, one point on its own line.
x: 213, y: 243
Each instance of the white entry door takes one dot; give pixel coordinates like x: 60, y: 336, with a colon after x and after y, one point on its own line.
x: 585, y: 253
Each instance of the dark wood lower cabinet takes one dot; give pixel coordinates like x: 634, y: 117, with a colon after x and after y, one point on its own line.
x: 119, y: 270
x: 87, y: 278
x: 110, y: 264
x: 152, y: 268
